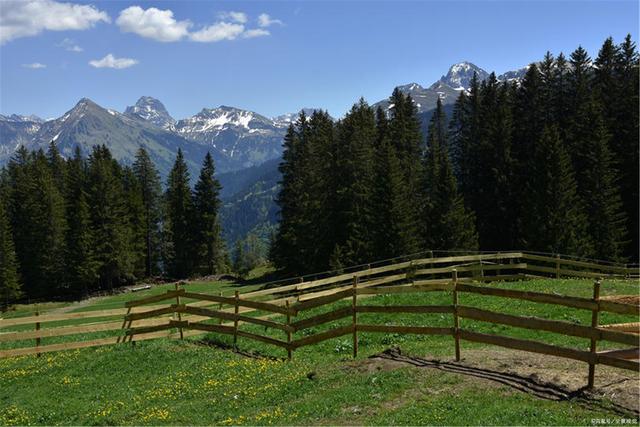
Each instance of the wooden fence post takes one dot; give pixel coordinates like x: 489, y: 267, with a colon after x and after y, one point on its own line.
x: 37, y: 329
x: 456, y: 319
x: 557, y: 266
x: 179, y: 315
x: 220, y: 309
x: 354, y: 316
x: 594, y: 324
x: 235, y: 321
x: 289, y: 351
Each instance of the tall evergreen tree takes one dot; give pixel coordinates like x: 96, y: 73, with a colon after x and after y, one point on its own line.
x: 553, y: 218
x: 355, y: 222
x: 9, y: 279
x: 109, y: 220
x: 446, y: 224
x: 396, y: 231
x: 208, y: 242
x: 289, y: 247
x: 136, y: 220
x: 179, y: 210
x: 149, y: 181
x: 490, y: 177
x: 81, y: 267
x: 624, y: 141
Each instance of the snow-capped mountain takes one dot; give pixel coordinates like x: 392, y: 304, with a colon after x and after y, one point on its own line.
x: 449, y: 86
x: 515, y: 75
x: 87, y: 124
x: 285, y: 120
x: 246, y: 137
x: 236, y: 138
x: 151, y: 110
x: 21, y: 119
x: 460, y: 75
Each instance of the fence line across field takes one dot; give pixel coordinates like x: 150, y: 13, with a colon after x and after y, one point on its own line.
x: 146, y: 318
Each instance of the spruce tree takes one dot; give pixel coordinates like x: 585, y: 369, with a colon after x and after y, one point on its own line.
x: 179, y: 208
x: 446, y: 224
x: 287, y: 250
x: 320, y: 183
x: 395, y: 232
x: 624, y: 140
x: 206, y: 233
x: 149, y: 181
x: 490, y: 177
x: 600, y: 193
x: 406, y: 138
x: 110, y: 227
x: 9, y: 279
x: 136, y: 221
x: 553, y: 218
x: 80, y: 264
x: 354, y: 224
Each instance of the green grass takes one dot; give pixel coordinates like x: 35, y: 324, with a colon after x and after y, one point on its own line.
x: 172, y: 382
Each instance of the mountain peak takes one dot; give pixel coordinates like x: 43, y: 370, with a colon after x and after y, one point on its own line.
x: 151, y: 110
x: 459, y: 75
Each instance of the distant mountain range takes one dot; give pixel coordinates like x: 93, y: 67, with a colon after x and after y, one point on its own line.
x: 246, y: 146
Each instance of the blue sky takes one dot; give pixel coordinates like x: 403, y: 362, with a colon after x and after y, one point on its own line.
x: 195, y: 54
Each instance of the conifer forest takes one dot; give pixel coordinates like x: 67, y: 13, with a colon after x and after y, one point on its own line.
x: 546, y: 164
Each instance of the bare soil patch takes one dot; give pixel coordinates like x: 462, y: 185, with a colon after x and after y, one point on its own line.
x: 545, y: 377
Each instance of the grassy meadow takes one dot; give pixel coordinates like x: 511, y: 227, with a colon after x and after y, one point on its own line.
x: 200, y: 381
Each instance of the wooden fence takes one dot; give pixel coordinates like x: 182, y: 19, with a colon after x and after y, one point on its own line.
x: 277, y: 308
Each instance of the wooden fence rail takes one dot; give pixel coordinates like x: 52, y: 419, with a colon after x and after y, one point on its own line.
x: 190, y: 312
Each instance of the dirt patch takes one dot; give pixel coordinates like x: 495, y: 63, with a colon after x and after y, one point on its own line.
x: 624, y: 299
x: 367, y: 366
x: 545, y: 377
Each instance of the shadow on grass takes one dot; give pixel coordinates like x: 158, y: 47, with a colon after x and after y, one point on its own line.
x: 540, y: 389
x: 221, y: 345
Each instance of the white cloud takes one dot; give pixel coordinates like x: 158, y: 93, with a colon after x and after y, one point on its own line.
x: 153, y: 23
x: 111, y: 61
x: 237, y: 17
x: 70, y: 45
x: 265, y: 20
x: 217, y: 32
x: 257, y: 32
x: 24, y: 18
x: 161, y: 25
x: 34, y: 66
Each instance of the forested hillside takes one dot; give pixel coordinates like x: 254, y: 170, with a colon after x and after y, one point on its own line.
x: 548, y: 164
x: 69, y: 227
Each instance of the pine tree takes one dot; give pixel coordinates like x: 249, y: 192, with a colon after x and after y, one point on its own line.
x: 135, y: 221
x: 206, y: 222
x: 406, y: 138
x: 588, y: 143
x: 445, y: 222
x: 38, y: 223
x: 80, y: 264
x: 109, y: 219
x: 179, y: 211
x: 624, y: 141
x: 490, y: 177
x: 57, y: 166
x: 395, y: 232
x: 149, y: 180
x: 288, y: 247
x: 599, y: 192
x: 553, y: 218
x: 320, y: 183
x: 354, y: 223
x: 464, y: 132
x: 9, y: 279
